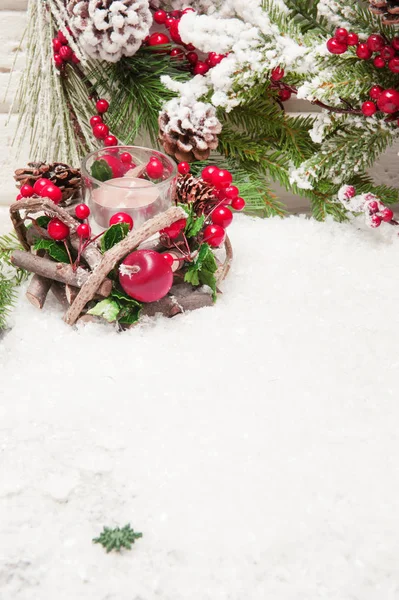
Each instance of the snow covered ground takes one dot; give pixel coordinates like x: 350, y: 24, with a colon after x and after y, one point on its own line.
x: 255, y: 444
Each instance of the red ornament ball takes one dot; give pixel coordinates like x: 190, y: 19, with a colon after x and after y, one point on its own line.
x: 58, y: 60
x: 238, y: 203
x: 375, y: 92
x: 222, y: 216
x: 39, y: 185
x: 84, y: 231
x: 200, y: 68
x: 110, y: 140
x: 369, y: 108
x: 158, y: 39
x: 51, y: 191
x: 160, y: 17
x: 341, y: 34
x: 65, y: 52
x: 126, y: 158
x: 145, y: 275
x: 393, y: 65
x: 169, y: 258
x: 208, y: 172
x: 57, y: 230
x: 96, y: 120
x: 379, y: 62
x: 388, y: 101
x: 82, y: 211
x: 221, y: 179
x: 214, y: 235
x: 100, y: 131
x: 352, y: 39
x: 363, y: 52
x: 26, y: 191
x: 387, y: 214
x: 375, y: 42
x: 154, y: 168
x: 102, y: 106
x: 183, y: 168
x: 192, y: 58
x: 277, y: 74
x: 336, y: 47
x: 121, y: 217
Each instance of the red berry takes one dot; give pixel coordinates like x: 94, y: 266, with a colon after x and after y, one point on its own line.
x: 19, y: 197
x: 95, y: 120
x: 117, y: 167
x: 169, y: 21
x: 192, y: 57
x: 393, y: 65
x: 222, y: 178
x: 222, y: 215
x: 341, y: 34
x: 214, y: 235
x: 121, y: 217
x: 83, y: 230
x: 387, y: 214
x: 176, y: 14
x: 100, y: 131
x: 379, y: 62
x: 39, y: 185
x: 388, y: 101
x: 208, y: 173
x: 145, y: 275
x: 177, y: 53
x: 126, y: 158
x: 200, y: 68
x: 65, y: 52
x: 158, y: 39
x: 75, y: 59
x: 277, y: 74
x: 375, y: 221
x: 82, y: 211
x: 238, y: 203
x: 58, y: 60
x: 387, y: 52
x: 375, y: 92
x: 62, y: 37
x: 160, y: 17
x: 336, y: 47
x: 395, y: 43
x: 284, y: 94
x: 352, y: 39
x: 350, y: 191
x: 57, y: 230
x: 174, y: 230
x: 154, y: 168
x: 174, y: 32
x: 372, y: 206
x: 51, y: 191
x: 369, y: 108
x: 56, y: 44
x: 230, y: 192
x: 375, y: 42
x: 169, y: 258
x: 110, y: 140
x: 183, y: 168
x: 26, y: 191
x: 363, y: 52
x: 214, y: 59
x: 102, y: 106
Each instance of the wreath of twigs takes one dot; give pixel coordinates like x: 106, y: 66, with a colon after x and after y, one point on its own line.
x: 76, y: 288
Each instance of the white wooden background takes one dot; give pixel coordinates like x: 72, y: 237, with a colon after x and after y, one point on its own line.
x: 12, y: 24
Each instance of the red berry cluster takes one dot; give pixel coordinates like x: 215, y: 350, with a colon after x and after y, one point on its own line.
x: 82, y: 212
x: 171, y: 21
x: 99, y: 128
x: 43, y: 188
x: 284, y: 91
x: 387, y: 101
x: 62, y: 51
x: 376, y: 212
x: 386, y: 52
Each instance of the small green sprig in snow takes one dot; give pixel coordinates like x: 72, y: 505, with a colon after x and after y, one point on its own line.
x: 117, y: 538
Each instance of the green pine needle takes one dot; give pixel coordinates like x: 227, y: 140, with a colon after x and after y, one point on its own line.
x: 117, y: 538
x: 10, y: 276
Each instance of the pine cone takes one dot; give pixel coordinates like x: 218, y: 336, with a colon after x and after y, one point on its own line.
x: 189, y: 132
x: 110, y: 29
x: 387, y: 9
x: 63, y: 176
x: 191, y: 190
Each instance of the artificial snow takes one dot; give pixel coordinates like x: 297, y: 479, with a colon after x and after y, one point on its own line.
x: 254, y: 443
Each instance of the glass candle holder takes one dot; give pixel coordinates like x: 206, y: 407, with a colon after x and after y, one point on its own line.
x: 129, y: 189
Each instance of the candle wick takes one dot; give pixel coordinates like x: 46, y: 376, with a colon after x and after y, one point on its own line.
x: 128, y: 269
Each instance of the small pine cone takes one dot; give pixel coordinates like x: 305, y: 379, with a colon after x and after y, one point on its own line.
x: 110, y: 29
x: 63, y: 176
x: 191, y: 190
x: 189, y: 132
x: 387, y: 9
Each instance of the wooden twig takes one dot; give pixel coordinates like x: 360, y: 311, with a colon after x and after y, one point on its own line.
x: 58, y: 289
x: 58, y: 271
x: 116, y: 254
x: 37, y: 290
x: 181, y: 298
x: 223, y: 270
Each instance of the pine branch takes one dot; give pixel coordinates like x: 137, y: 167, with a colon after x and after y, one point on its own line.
x: 117, y: 538
x: 10, y: 276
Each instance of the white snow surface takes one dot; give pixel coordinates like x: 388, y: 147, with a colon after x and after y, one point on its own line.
x: 254, y: 443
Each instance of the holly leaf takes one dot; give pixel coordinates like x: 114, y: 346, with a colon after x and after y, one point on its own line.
x: 129, y: 307
x: 201, y: 271
x: 108, y: 309
x: 101, y: 170
x: 194, y: 226
x: 123, y: 298
x: 209, y: 279
x: 114, y: 234
x: 43, y: 221
x: 191, y: 275
x: 54, y: 249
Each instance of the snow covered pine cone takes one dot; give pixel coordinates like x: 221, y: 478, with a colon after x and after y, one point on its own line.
x: 387, y: 9
x: 110, y: 29
x: 189, y: 132
x: 191, y: 190
x: 63, y: 176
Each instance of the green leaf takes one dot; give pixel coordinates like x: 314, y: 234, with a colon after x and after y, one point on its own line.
x: 194, y: 226
x: 201, y: 271
x: 101, y: 170
x: 122, y: 297
x: 191, y: 276
x: 108, y: 309
x: 129, y: 307
x: 54, y: 249
x: 43, y: 221
x: 115, y: 234
x: 209, y: 279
